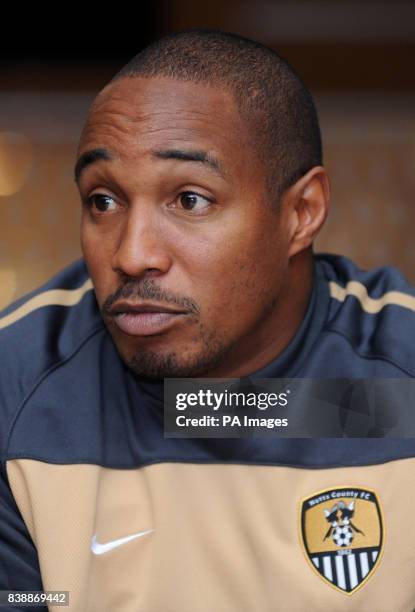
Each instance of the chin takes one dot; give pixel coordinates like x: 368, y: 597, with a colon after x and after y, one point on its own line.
x: 151, y: 364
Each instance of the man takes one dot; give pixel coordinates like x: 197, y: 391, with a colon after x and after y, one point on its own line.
x: 200, y: 173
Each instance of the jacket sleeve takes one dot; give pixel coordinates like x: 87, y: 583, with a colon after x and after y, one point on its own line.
x: 19, y: 563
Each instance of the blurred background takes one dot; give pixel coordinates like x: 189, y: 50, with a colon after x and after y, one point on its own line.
x: 356, y: 57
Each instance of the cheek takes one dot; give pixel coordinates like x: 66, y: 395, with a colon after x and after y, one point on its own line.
x: 96, y: 251
x: 240, y: 272
x: 97, y: 239
x: 91, y: 250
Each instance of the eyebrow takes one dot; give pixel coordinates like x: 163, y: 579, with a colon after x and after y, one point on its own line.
x: 88, y: 158
x: 192, y: 155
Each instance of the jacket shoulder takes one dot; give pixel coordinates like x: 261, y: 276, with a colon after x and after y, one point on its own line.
x: 41, y: 330
x: 373, y: 309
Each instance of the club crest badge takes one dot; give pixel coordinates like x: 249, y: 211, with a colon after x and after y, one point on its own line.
x: 342, y: 534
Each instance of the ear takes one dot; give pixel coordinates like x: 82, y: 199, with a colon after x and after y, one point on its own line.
x: 307, y: 205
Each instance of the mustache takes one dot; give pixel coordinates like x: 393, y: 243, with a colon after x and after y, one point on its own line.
x: 148, y: 290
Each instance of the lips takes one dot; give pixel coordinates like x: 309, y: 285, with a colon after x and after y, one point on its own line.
x: 122, y: 307
x: 146, y: 323
x: 145, y: 319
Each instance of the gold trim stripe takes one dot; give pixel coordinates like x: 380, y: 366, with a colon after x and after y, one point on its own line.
x: 371, y: 305
x: 53, y: 297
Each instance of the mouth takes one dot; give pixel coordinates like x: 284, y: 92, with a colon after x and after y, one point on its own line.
x: 145, y: 319
x: 146, y: 323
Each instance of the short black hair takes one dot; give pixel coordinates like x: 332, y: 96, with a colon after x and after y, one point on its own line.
x: 266, y: 89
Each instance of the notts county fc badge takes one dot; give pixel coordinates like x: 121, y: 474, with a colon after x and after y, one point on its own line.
x: 342, y: 535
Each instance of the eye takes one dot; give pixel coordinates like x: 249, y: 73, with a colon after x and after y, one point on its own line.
x: 194, y: 202
x: 101, y: 202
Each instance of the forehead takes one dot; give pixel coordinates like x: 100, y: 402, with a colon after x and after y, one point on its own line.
x: 133, y: 115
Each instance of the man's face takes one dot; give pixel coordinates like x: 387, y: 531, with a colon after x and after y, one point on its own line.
x: 178, y: 219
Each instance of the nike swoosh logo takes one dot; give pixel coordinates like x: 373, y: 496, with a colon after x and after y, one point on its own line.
x: 99, y: 549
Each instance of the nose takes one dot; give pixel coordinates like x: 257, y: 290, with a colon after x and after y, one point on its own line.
x: 141, y: 247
